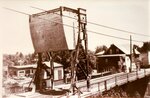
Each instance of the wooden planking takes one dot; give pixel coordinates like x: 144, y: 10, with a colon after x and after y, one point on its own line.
x: 47, y: 32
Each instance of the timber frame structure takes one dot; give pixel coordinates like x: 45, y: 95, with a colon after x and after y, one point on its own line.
x: 82, y: 37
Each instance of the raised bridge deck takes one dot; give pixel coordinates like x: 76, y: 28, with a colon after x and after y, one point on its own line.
x: 98, y: 85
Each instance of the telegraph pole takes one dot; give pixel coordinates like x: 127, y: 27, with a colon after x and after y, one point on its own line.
x: 130, y: 53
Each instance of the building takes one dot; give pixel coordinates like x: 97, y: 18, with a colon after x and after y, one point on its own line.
x: 145, y: 58
x: 22, y: 70
x: 29, y: 70
x: 5, y: 71
x: 116, y: 59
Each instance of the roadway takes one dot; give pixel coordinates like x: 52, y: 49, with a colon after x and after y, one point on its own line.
x: 98, y: 85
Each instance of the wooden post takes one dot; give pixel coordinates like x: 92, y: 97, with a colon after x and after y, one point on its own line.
x: 52, y: 71
x: 145, y: 72
x: 51, y: 68
x: 38, y: 73
x: 116, y: 80
x: 105, y: 83
x: 127, y: 77
x: 98, y: 86
x: 82, y: 25
x: 74, y: 36
x: 136, y: 74
x: 130, y: 53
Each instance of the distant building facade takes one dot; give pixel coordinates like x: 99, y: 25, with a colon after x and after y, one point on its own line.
x: 145, y: 58
x: 29, y: 70
x: 5, y: 71
x: 115, y: 59
x: 22, y: 70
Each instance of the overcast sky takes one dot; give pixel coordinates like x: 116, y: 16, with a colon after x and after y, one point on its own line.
x: 130, y: 15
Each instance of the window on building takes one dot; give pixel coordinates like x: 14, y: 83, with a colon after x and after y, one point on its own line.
x: 59, y: 74
x: 117, y: 50
x: 14, y: 73
x: 21, y: 71
x: 28, y: 71
x: 110, y: 51
x: 32, y: 71
x: 106, y: 60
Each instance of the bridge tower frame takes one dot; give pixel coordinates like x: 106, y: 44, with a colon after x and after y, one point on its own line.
x: 82, y: 38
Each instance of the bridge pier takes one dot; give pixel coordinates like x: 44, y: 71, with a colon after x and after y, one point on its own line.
x: 135, y: 89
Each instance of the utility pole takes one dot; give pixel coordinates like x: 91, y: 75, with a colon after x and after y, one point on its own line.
x: 130, y: 53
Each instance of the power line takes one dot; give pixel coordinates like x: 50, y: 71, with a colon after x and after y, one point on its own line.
x: 73, y: 26
x: 118, y: 29
x: 16, y: 11
x: 112, y: 36
x: 125, y: 31
x: 38, y: 17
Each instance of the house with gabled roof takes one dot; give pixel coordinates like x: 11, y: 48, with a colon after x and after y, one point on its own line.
x: 145, y: 58
x: 29, y: 70
x: 117, y: 58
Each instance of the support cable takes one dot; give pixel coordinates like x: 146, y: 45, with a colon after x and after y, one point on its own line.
x: 109, y: 27
x: 74, y: 27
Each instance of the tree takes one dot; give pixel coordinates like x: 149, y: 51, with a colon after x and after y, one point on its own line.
x: 8, y: 60
x: 144, y: 48
x: 64, y: 57
x: 92, y: 59
x: 100, y: 48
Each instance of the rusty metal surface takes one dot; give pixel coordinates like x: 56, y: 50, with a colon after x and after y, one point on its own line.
x: 46, y: 34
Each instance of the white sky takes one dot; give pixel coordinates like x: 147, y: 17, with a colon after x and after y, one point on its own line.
x: 130, y: 15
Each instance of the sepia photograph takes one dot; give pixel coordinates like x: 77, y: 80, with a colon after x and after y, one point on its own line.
x: 75, y: 48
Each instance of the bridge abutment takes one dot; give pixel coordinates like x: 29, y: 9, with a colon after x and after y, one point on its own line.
x: 134, y: 89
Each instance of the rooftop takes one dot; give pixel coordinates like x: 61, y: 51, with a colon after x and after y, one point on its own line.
x: 35, y: 65
x: 126, y: 48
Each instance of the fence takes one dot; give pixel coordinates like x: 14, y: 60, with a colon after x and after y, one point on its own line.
x: 98, y: 85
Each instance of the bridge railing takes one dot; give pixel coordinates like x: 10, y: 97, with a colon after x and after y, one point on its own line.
x: 99, y: 85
